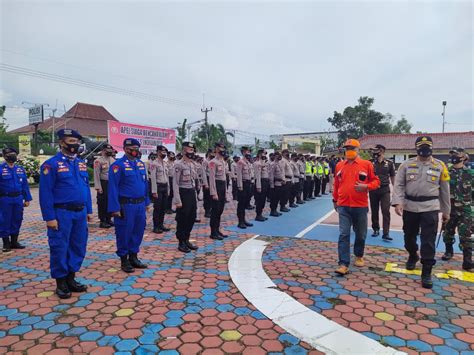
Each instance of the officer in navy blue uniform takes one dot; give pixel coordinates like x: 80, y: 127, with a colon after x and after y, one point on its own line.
x: 128, y: 201
x: 65, y: 200
x: 14, y: 195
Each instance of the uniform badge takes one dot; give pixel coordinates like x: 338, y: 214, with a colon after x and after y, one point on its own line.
x: 115, y: 169
x: 46, y: 170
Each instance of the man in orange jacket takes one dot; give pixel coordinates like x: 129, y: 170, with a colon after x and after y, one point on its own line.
x: 354, y: 178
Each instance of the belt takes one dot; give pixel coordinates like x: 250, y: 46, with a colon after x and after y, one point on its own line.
x: 162, y: 184
x: 11, y: 194
x: 75, y: 207
x: 265, y: 179
x: 421, y: 198
x: 133, y: 201
x: 288, y: 176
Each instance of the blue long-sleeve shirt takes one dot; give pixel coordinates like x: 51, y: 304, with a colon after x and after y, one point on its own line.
x: 63, y: 181
x: 127, y: 178
x: 14, y: 179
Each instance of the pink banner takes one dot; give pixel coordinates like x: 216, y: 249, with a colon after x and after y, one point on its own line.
x: 148, y: 136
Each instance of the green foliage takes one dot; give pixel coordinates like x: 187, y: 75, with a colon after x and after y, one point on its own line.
x: 308, y: 147
x: 31, y: 167
x: 327, y: 143
x: 181, y: 136
x: 216, y: 133
x: 274, y: 146
x: 256, y: 144
x: 359, y: 120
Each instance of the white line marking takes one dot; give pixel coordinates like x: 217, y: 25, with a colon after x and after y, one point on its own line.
x: 247, y: 273
x: 311, y: 226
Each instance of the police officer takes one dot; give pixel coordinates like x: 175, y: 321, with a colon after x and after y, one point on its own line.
x: 318, y: 176
x: 325, y: 179
x: 233, y: 176
x: 128, y: 203
x: 101, y: 183
x: 170, y: 164
x: 295, y: 181
x: 159, y: 189
x: 184, y: 198
x: 14, y: 195
x: 308, y: 176
x: 286, y: 188
x: 301, y: 169
x: 244, y: 186
x: 205, y: 182
x: 278, y: 174
x: 421, y: 190
x: 66, y: 206
x: 217, y: 189
x: 461, y: 199
x: 262, y: 183
x: 385, y: 170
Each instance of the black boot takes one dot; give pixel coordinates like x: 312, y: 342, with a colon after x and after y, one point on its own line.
x: 376, y: 233
x: 260, y: 218
x: 125, y: 264
x: 73, y: 285
x: 109, y: 221
x: 222, y: 235
x: 191, y: 246
x: 164, y: 229
x: 411, y: 262
x: 6, y: 245
x: 284, y: 209
x: 387, y: 237
x: 207, y: 214
x: 104, y: 225
x: 293, y: 205
x: 135, y: 262
x: 467, y: 259
x: 426, y: 281
x: 274, y: 213
x: 157, y: 230
x: 241, y: 224
x: 14, y: 242
x: 62, y: 290
x: 182, y: 247
x: 448, y: 254
x: 248, y: 224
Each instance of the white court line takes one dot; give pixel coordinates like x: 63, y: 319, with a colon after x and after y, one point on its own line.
x: 247, y: 273
x: 311, y: 226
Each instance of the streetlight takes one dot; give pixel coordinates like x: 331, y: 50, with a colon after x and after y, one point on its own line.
x: 444, y: 114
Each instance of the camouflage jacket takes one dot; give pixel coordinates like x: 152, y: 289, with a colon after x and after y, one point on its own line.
x: 460, y: 187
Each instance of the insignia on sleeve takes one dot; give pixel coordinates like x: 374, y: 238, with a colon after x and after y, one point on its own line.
x: 115, y: 169
x: 45, y: 169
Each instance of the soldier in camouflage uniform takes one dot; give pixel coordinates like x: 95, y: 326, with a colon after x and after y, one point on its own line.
x: 461, y: 214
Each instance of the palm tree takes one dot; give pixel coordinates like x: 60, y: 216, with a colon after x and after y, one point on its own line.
x: 206, y: 138
x: 181, y: 136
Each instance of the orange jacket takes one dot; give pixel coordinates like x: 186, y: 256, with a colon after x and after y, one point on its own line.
x: 345, y: 179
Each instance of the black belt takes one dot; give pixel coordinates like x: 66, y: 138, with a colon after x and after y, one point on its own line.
x: 221, y: 181
x: 11, y: 194
x: 421, y: 198
x: 162, y: 184
x: 133, y: 201
x: 75, y: 207
x: 288, y: 176
x: 265, y: 179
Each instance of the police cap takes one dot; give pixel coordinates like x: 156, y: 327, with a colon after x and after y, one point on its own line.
x: 66, y: 132
x: 130, y: 142
x: 220, y: 145
x: 9, y: 150
x: 423, y: 140
x: 456, y: 150
x: 160, y: 148
x: 107, y: 146
x: 188, y: 144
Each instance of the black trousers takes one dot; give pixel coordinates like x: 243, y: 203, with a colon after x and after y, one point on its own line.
x: 324, y: 182
x: 102, y: 203
x: 307, y: 187
x: 217, y: 207
x: 285, y: 194
x: 243, y: 199
x: 293, y: 192
x: 206, y: 196
x: 159, y: 206
x: 251, y: 194
x: 186, y: 215
x: 234, y: 189
x: 299, y: 195
x: 380, y: 198
x: 317, y: 186
x: 169, y: 204
x: 261, y: 197
x: 428, y: 222
x: 275, y: 196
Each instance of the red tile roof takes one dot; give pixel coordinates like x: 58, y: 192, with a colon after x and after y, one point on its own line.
x: 407, y: 141
x: 89, y: 120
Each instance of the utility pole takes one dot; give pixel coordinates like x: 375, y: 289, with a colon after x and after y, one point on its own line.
x: 444, y: 114
x: 206, y: 110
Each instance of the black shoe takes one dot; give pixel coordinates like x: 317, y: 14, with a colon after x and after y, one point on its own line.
x: 274, y: 214
x: 6, y: 245
x: 387, y: 237
x: 104, y: 225
x: 222, y: 235
x: 426, y: 281
x: 248, y: 224
x: 242, y: 225
x: 183, y: 247
x: 125, y: 265
x: 411, y: 262
x: 449, y: 253
x: 136, y: 263
x: 109, y: 221
x: 164, y: 229
x: 216, y: 237
x: 300, y: 202
x: 157, y: 230
x: 62, y: 290
x: 197, y: 220
x: 260, y: 218
x: 284, y: 209
x: 14, y: 242
x: 376, y: 233
x: 73, y: 285
x: 265, y: 218
x: 467, y: 263
x: 312, y: 198
x: 294, y: 205
x: 169, y: 212
x: 191, y: 246
x: 207, y: 214
x: 307, y: 199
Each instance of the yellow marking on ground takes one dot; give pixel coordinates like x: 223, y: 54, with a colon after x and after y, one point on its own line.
x: 45, y: 294
x: 384, y: 316
x: 230, y: 335
x: 450, y: 274
x: 124, y: 312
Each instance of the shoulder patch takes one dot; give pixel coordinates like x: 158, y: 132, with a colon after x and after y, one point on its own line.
x: 115, y: 169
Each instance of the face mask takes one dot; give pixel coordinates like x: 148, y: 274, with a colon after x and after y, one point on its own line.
x: 71, y: 148
x: 375, y: 155
x: 424, y: 151
x: 162, y: 155
x: 248, y: 156
x: 455, y: 160
x: 190, y: 155
x: 351, y: 154
x: 279, y: 157
x: 224, y: 154
x: 11, y: 158
x: 109, y: 154
x: 133, y: 152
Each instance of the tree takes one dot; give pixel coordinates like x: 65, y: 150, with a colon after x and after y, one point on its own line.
x: 327, y: 143
x: 256, y: 144
x: 181, y: 136
x: 274, y: 146
x: 217, y: 134
x: 402, y: 126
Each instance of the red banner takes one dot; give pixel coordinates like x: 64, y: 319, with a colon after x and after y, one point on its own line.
x: 148, y: 136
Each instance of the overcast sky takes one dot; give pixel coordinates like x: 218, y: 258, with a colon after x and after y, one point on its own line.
x: 265, y: 67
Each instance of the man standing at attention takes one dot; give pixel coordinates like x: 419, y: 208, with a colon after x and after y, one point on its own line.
x: 354, y: 178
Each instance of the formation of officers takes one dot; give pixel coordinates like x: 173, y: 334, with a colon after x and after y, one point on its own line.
x: 127, y: 189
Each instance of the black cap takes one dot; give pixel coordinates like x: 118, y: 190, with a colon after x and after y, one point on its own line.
x: 160, y: 148
x: 188, y: 144
x: 220, y: 145
x: 245, y: 148
x: 456, y: 150
x: 378, y: 147
x: 294, y: 155
x: 170, y: 152
x: 9, y: 150
x: 423, y: 140
x: 107, y: 146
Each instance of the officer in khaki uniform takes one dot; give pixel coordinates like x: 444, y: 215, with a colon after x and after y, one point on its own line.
x: 184, y: 180
x: 101, y: 183
x: 262, y: 183
x: 160, y: 189
x: 295, y: 181
x: 244, y: 185
x: 421, y: 190
x: 286, y: 188
x: 278, y: 181
x: 217, y: 189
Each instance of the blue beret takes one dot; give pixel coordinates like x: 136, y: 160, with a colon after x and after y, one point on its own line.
x: 131, y: 141
x: 66, y: 132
